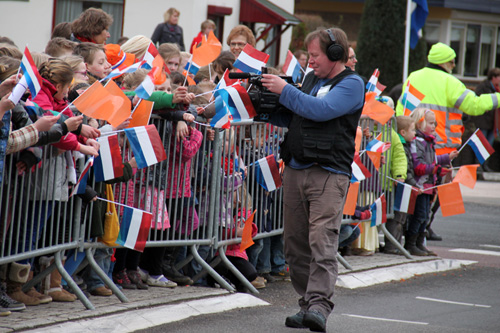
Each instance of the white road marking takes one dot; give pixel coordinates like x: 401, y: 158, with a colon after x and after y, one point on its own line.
x: 490, y: 246
x: 386, y: 319
x: 451, y: 302
x: 472, y: 251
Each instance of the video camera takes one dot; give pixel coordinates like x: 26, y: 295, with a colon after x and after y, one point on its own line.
x: 263, y: 100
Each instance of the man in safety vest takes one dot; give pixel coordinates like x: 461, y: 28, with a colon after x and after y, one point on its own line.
x: 447, y: 97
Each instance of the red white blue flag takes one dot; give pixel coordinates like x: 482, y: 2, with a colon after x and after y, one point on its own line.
x: 108, y: 164
x: 147, y: 87
x: 291, y: 67
x: 373, y: 84
x: 222, y: 117
x: 191, y: 66
x: 405, y: 198
x: 238, y: 102
x: 379, y: 211
x: 146, y: 145
x: 81, y: 183
x: 31, y: 78
x: 411, y: 99
x: 359, y: 171
x: 134, y: 228
x: 481, y: 146
x: 378, y: 146
x: 150, y: 55
x: 130, y: 69
x: 251, y: 60
x: 267, y: 173
x: 226, y: 81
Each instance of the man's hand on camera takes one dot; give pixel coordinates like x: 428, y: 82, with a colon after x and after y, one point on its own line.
x: 274, y: 83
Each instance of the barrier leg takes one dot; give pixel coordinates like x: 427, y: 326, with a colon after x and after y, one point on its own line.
x: 223, y: 283
x: 395, y: 242
x: 105, y: 278
x: 74, y: 287
x: 343, y: 262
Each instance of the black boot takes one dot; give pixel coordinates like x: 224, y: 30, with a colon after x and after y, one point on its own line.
x: 420, y: 244
x: 410, y: 245
x: 431, y: 235
x: 168, y: 267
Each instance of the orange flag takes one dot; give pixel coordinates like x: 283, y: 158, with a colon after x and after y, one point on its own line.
x: 94, y: 101
x: 207, y: 51
x: 246, y: 238
x: 190, y: 81
x: 351, y: 199
x: 450, y: 199
x: 142, y: 113
x: 358, y: 139
x: 375, y: 157
x: 122, y: 106
x: 160, y: 63
x: 376, y: 110
x: 467, y: 175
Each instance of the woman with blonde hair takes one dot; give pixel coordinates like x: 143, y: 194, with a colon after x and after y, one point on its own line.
x: 169, y: 31
x: 136, y: 45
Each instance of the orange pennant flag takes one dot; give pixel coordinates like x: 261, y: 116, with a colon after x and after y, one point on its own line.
x: 94, y: 102
x: 375, y: 157
x: 450, y: 199
x: 160, y: 63
x: 190, y: 81
x: 158, y: 75
x: 358, y: 139
x: 376, y: 110
x: 142, y: 113
x: 207, y: 51
x: 246, y: 238
x: 467, y: 175
x: 351, y: 199
x: 122, y: 106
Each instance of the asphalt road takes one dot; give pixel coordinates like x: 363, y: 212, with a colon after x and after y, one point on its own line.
x: 465, y: 300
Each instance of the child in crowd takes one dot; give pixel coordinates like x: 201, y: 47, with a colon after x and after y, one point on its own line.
x: 171, y: 55
x: 59, y: 46
x: 426, y: 165
x: 98, y: 66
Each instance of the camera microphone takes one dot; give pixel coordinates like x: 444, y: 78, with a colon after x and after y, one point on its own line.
x: 240, y: 75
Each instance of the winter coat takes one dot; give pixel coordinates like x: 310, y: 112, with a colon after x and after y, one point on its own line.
x: 167, y: 33
x: 487, y: 120
x: 410, y: 174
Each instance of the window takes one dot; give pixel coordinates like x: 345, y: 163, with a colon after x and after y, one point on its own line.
x: 457, y: 33
x: 472, y: 50
x: 486, y: 50
x: 497, y: 61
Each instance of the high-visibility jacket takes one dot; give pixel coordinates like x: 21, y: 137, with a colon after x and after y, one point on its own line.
x: 448, y: 98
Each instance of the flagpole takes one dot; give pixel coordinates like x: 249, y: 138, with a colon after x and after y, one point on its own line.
x: 407, y: 40
x: 187, y: 72
x: 135, y: 107
x: 467, y: 141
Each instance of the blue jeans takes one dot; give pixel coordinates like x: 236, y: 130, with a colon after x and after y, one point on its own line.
x: 103, y: 260
x: 348, y: 234
x: 271, y: 258
x: 418, y: 221
x: 253, y: 252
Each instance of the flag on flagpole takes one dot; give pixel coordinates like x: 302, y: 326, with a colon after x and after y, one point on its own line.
x: 480, y: 146
x: 238, y: 102
x: 351, y: 199
x: 222, y: 117
x: 134, y: 228
x: 267, y: 173
x: 374, y: 85
x: 150, y: 56
x: 251, y: 60
x: 359, y: 171
x: 405, y: 198
x: 130, y: 69
x: 146, y: 145
x: 206, y: 52
x: 246, y: 238
x: 292, y: 67
x: 450, y: 199
x: 378, y: 146
x: 419, y: 14
x: 81, y: 183
x: 379, y: 211
x: 411, y: 98
x: 108, y: 164
x: 467, y: 175
x: 30, y: 71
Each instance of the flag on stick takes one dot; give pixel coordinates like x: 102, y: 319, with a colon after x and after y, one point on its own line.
x: 150, y: 56
x: 134, y: 228
x: 374, y: 85
x: 30, y: 71
x: 480, y: 145
x: 450, y: 198
x: 291, y: 67
x: 130, y: 69
x: 251, y: 60
x: 359, y: 171
x: 379, y: 211
x: 146, y: 145
x: 81, y: 184
x: 222, y: 117
x: 411, y: 98
x: 246, y: 238
x: 267, y: 173
x: 376, y: 110
x: 142, y: 113
x: 405, y: 198
x: 108, y: 164
x: 467, y: 175
x: 378, y: 146
x: 351, y: 199
x: 238, y: 101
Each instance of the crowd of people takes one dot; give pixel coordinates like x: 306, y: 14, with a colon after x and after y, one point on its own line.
x: 317, y: 150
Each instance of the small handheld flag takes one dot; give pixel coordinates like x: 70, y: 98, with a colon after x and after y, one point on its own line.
x: 31, y: 78
x: 222, y: 118
x: 81, y: 184
x: 379, y: 211
x: 130, y: 69
x: 150, y: 55
x: 359, y: 171
x: 405, y: 198
x: 480, y: 146
x: 374, y: 85
x: 108, y: 164
x: 411, y: 99
x: 292, y: 67
x: 378, y: 146
x: 267, y: 173
x: 134, y: 228
x: 251, y: 60
x: 146, y: 145
x: 238, y: 102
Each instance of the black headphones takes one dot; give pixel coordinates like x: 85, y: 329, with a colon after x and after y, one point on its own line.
x: 334, y: 51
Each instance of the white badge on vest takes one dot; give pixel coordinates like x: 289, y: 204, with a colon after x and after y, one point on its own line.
x: 323, y: 91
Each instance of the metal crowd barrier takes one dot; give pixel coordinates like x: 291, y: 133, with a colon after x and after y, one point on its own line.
x: 223, y: 191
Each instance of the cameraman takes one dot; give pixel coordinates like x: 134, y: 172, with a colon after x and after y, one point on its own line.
x: 318, y: 151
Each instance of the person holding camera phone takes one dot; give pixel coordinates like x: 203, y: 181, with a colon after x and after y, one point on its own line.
x: 318, y: 151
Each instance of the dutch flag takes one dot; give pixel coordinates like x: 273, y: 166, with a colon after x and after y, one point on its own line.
x: 130, y: 69
x: 374, y: 85
x: 147, y: 87
x: 378, y: 146
x: 411, y: 99
x: 222, y: 118
x: 108, y: 164
x: 81, y: 184
x: 238, y: 102
x: 292, y: 67
x: 480, y: 145
x: 134, y: 229
x: 267, y: 173
x: 251, y: 60
x: 146, y: 145
x: 379, y: 211
x: 149, y: 56
x: 359, y: 171
x: 405, y: 198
